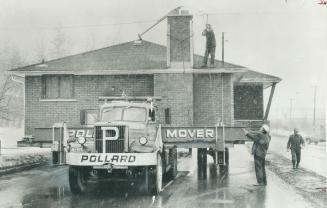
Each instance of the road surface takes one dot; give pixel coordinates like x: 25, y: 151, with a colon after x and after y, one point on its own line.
x: 48, y: 187
x: 313, y: 157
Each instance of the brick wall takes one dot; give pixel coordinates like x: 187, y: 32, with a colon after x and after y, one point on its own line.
x: 208, y: 108
x: 192, y: 99
x: 87, y: 89
x: 179, y: 37
x: 177, y: 93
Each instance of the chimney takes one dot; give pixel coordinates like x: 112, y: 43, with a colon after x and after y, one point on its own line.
x: 179, y: 39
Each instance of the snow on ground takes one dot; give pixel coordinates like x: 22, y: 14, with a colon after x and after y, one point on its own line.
x: 24, y: 151
x: 13, y: 156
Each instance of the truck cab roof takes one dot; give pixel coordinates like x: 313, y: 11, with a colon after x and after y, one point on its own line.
x: 126, y: 104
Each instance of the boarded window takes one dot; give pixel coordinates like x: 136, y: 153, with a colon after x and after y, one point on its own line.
x: 248, y: 102
x: 57, y: 86
x: 89, y: 116
x: 66, y: 86
x: 167, y: 116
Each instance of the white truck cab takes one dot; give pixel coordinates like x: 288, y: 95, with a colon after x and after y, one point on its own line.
x: 126, y: 144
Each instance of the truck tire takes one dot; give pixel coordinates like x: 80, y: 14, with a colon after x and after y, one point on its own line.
x: 77, y: 179
x: 173, y: 162
x: 158, y: 176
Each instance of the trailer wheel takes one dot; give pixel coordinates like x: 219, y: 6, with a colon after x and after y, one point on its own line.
x: 158, y: 176
x: 173, y: 161
x: 77, y: 179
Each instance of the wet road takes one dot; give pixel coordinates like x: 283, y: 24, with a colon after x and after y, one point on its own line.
x: 313, y: 157
x: 48, y: 187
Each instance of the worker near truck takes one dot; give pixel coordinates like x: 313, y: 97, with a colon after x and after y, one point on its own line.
x: 210, y: 46
x: 261, y: 140
x: 295, y: 143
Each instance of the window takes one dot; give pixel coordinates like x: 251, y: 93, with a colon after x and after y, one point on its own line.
x: 167, y: 116
x: 124, y: 113
x: 112, y: 114
x: 89, y: 117
x: 57, y: 87
x: 134, y: 114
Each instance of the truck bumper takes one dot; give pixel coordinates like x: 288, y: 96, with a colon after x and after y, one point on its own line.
x: 115, y: 159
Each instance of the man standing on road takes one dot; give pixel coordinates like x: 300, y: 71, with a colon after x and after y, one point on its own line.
x: 261, y: 140
x: 210, y: 46
x: 294, y: 143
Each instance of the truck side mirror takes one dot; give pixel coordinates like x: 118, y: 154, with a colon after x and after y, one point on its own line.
x: 152, y: 115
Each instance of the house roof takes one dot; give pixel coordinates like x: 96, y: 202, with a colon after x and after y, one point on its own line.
x: 129, y: 58
x: 250, y: 76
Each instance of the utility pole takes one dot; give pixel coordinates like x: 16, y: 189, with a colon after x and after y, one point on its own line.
x: 314, y: 105
x: 223, y: 47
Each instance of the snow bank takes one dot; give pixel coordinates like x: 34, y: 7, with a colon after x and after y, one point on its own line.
x: 12, y: 159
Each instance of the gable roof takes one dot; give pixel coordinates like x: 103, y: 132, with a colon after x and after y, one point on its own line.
x: 128, y: 57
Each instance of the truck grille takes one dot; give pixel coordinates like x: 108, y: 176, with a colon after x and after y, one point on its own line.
x: 112, y: 146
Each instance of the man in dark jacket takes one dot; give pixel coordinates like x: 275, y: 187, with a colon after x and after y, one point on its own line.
x: 294, y: 143
x: 261, y: 140
x: 210, y: 46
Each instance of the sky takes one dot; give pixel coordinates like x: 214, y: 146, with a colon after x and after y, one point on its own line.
x: 284, y: 38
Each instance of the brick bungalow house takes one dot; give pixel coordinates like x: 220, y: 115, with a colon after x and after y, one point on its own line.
x: 70, y: 88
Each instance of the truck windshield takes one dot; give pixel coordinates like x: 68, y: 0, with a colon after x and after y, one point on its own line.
x: 124, y: 114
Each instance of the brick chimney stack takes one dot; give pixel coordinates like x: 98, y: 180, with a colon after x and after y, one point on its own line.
x: 179, y: 39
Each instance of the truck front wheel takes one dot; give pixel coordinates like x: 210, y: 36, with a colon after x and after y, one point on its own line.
x: 77, y: 179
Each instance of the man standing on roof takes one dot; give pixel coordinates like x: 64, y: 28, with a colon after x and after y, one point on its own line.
x: 294, y: 143
x: 261, y: 140
x: 210, y: 46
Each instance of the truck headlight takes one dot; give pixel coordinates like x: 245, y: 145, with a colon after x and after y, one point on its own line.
x: 143, y: 140
x: 81, y: 140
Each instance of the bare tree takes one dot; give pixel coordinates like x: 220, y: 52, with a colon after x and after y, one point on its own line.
x: 41, y: 52
x: 9, y: 59
x: 59, y: 43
